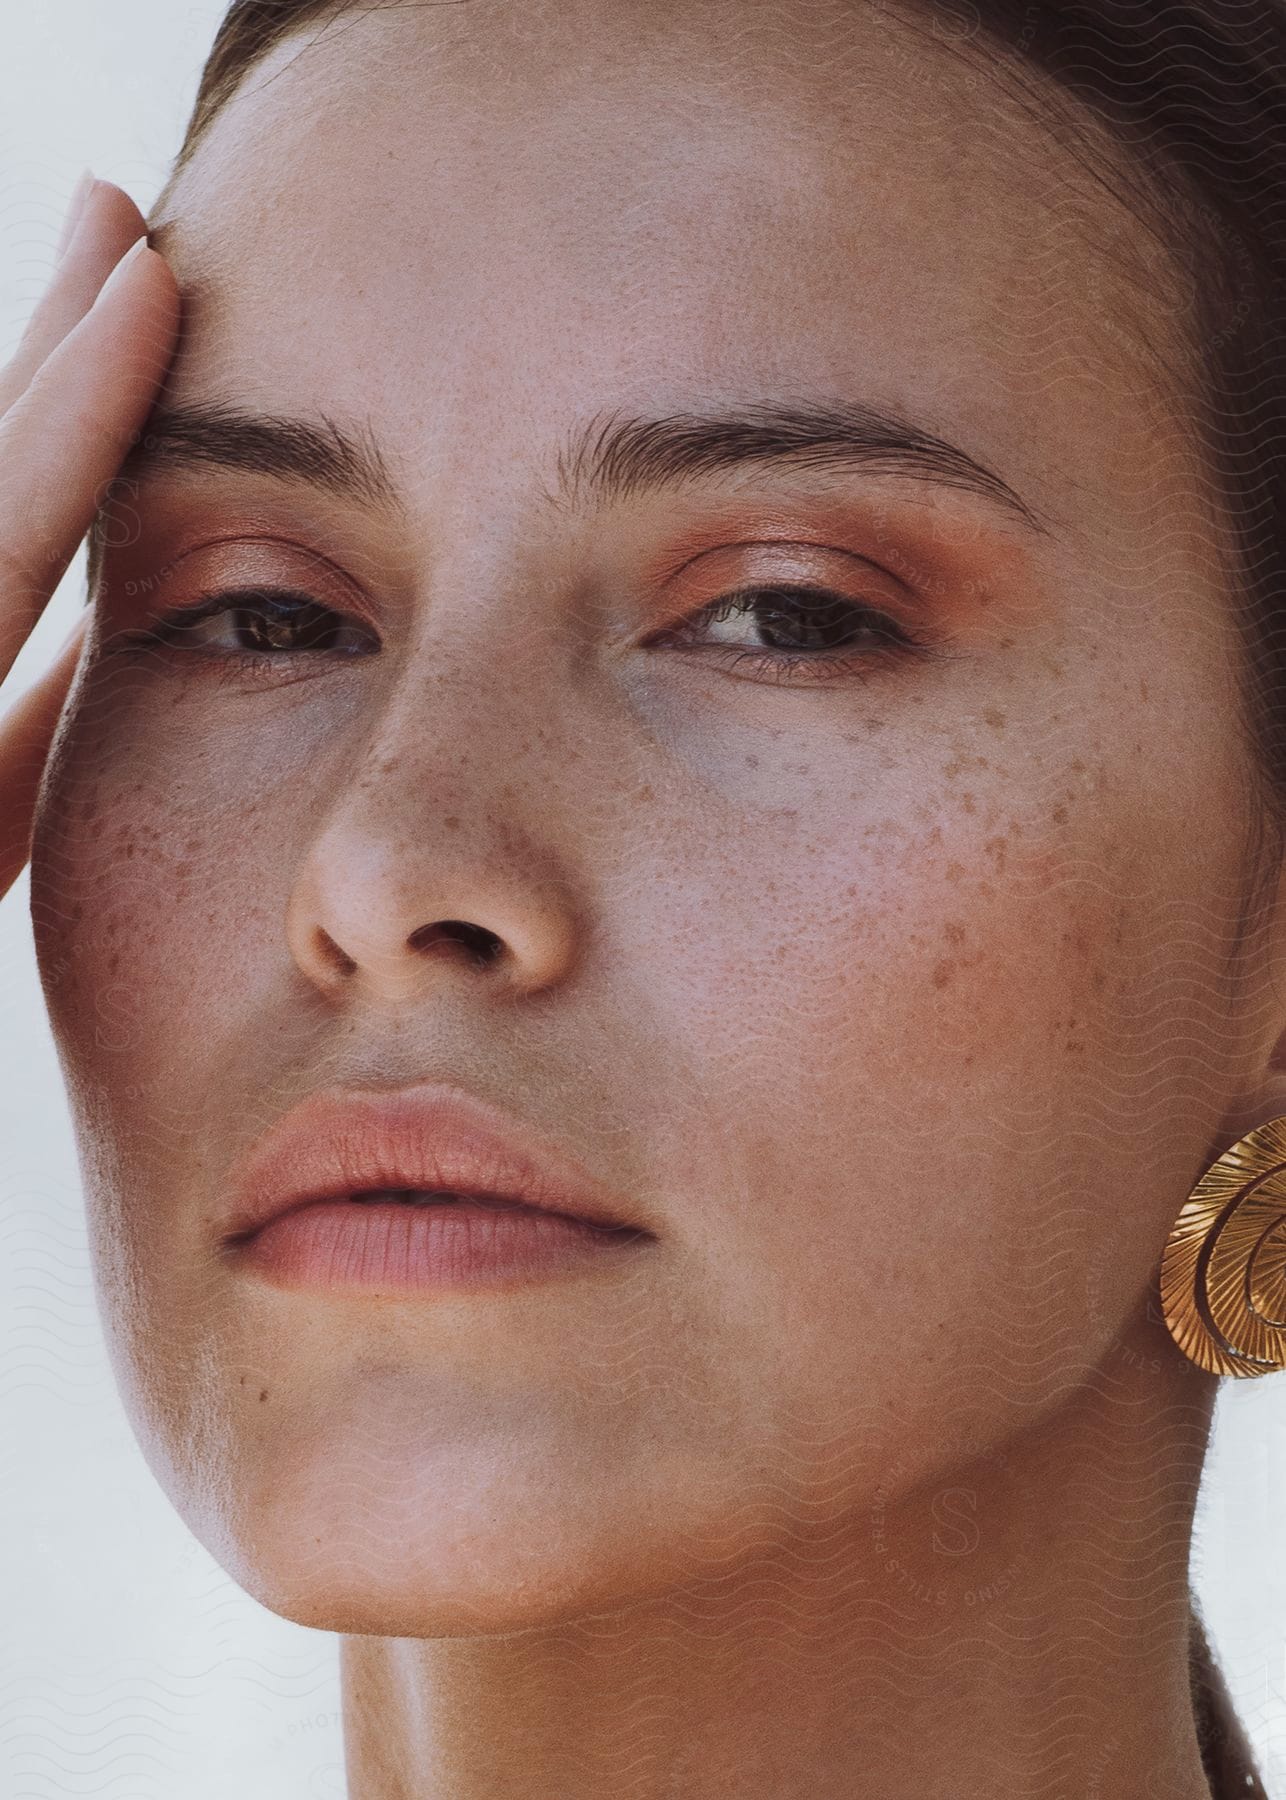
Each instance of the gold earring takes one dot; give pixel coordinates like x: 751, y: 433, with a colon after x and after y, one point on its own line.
x: 1223, y: 1275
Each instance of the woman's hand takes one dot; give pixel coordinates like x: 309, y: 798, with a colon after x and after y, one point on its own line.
x: 72, y: 401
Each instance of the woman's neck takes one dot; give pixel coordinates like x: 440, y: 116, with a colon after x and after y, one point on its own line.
x: 1022, y: 1628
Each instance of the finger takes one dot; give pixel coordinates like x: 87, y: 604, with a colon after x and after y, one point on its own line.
x: 63, y: 440
x: 75, y: 210
x: 109, y: 223
x: 26, y: 731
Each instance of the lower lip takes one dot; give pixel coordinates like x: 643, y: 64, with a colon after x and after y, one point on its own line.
x: 389, y: 1247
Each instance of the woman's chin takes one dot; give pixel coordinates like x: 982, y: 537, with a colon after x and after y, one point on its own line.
x: 354, y: 1581
x: 358, y: 1556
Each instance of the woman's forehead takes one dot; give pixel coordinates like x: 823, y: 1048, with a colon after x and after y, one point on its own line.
x: 370, y: 224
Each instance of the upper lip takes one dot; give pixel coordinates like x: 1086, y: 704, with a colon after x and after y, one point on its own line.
x: 343, y: 1141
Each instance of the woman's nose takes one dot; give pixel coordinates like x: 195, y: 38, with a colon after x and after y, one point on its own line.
x: 384, y: 918
x: 407, y: 876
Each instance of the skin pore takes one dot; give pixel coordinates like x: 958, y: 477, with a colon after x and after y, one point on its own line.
x: 903, y: 1005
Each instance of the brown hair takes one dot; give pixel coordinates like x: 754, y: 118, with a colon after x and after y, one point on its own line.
x: 1194, y: 93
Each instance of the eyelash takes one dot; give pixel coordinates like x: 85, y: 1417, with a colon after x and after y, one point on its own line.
x: 892, y: 642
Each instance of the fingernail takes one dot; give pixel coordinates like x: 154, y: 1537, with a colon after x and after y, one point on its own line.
x: 122, y: 268
x: 75, y: 212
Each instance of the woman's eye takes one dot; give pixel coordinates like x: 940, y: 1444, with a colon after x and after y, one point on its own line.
x: 262, y: 622
x: 785, y: 628
x: 773, y: 630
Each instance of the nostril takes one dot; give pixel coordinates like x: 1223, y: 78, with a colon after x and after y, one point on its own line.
x: 479, y: 944
x: 331, y: 952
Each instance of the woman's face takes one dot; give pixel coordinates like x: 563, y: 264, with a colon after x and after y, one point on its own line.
x: 893, y: 989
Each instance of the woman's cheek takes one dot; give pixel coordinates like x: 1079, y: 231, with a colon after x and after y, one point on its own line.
x: 887, y: 1122
x: 1044, y: 1055
x: 156, y: 851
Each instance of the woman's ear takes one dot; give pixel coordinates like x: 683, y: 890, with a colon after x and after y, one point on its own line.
x: 1265, y: 1095
x: 1268, y: 1100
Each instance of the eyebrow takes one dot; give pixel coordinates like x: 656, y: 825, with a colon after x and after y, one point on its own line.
x: 625, y: 455
x: 609, y: 458
x: 340, y: 460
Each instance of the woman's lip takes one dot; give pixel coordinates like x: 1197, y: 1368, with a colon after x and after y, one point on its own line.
x: 345, y: 1141
x: 389, y: 1248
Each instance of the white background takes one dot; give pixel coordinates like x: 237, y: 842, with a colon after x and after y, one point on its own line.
x: 131, y: 1667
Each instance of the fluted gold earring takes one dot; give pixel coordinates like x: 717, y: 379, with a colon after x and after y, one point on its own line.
x: 1223, y: 1275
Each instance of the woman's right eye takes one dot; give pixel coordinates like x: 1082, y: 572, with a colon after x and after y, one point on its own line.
x: 261, y: 622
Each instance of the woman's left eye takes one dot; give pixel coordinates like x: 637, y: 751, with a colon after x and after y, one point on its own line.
x: 262, y: 622
x: 792, y: 631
